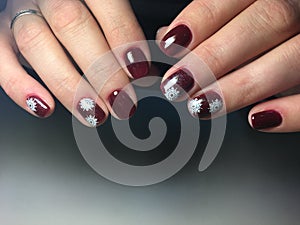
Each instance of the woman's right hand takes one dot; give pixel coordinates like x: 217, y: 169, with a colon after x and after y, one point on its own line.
x: 86, y: 31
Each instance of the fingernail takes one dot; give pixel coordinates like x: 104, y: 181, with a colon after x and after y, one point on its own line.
x: 38, y: 106
x: 176, y: 39
x: 136, y: 63
x: 177, y: 85
x: 266, y: 119
x: 122, y: 104
x: 91, y: 112
x: 206, y: 104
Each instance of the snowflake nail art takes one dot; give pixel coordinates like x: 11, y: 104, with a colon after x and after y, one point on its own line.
x: 172, y: 94
x: 92, y: 120
x: 195, y: 105
x: 91, y: 112
x: 177, y: 85
x: 206, y: 104
x: 87, y: 104
x: 215, y: 106
x: 38, y: 106
x: 31, y: 103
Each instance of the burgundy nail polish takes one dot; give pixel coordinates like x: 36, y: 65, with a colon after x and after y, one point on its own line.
x: 266, y: 119
x: 122, y: 104
x: 38, y: 106
x: 91, y: 112
x: 177, y: 85
x: 136, y: 63
x: 176, y: 40
x: 206, y: 104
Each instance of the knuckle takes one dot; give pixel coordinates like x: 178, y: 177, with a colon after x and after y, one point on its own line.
x: 120, y: 28
x: 212, y: 55
x: 290, y: 53
x: 249, y: 90
x: 208, y: 9
x: 67, y: 15
x: 280, y: 15
x: 63, y: 87
x: 29, y: 34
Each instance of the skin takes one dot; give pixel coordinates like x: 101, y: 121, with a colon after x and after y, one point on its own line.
x: 68, y: 24
x: 252, y: 48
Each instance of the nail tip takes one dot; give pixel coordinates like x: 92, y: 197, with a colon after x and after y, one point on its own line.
x: 266, y: 120
x: 205, y: 105
x: 122, y: 105
x: 38, y: 106
x: 176, y: 40
x: 177, y: 85
x: 136, y: 63
x: 92, y: 113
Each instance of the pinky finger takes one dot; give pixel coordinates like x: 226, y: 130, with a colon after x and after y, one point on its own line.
x: 21, y: 87
x: 277, y: 116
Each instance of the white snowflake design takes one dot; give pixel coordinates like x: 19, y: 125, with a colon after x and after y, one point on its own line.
x: 87, y: 104
x: 172, y: 94
x: 215, y: 106
x: 195, y: 105
x: 92, y: 120
x: 31, y: 103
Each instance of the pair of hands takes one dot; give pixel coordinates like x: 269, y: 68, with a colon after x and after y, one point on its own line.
x: 252, y: 48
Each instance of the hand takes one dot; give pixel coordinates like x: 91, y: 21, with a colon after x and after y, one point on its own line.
x: 67, y: 29
x: 251, y: 47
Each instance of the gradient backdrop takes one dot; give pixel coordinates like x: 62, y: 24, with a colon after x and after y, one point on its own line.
x: 44, y: 180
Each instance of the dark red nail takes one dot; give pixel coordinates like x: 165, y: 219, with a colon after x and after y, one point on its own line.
x: 122, y: 104
x: 136, y: 63
x: 38, y: 106
x: 266, y: 119
x: 206, y: 104
x: 177, y: 85
x: 91, y: 112
x: 176, y: 40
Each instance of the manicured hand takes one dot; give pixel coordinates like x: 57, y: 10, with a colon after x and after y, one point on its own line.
x: 247, y: 51
x: 69, y: 31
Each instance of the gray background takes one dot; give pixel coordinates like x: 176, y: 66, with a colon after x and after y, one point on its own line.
x: 44, y: 179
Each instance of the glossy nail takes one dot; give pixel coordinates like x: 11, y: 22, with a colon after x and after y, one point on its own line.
x: 266, y: 119
x: 176, y: 40
x: 136, y: 63
x: 177, y: 85
x: 91, y: 112
x: 122, y: 104
x: 206, y: 104
x: 38, y: 106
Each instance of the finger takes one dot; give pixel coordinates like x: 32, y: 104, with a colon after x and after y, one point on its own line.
x: 18, y: 85
x: 279, y: 115
x: 259, y: 28
x: 198, y: 21
x: 274, y: 72
x: 38, y: 45
x: 77, y: 30
x: 123, y: 34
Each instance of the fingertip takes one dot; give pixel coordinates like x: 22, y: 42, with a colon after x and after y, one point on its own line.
x: 265, y: 120
x: 38, y: 106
